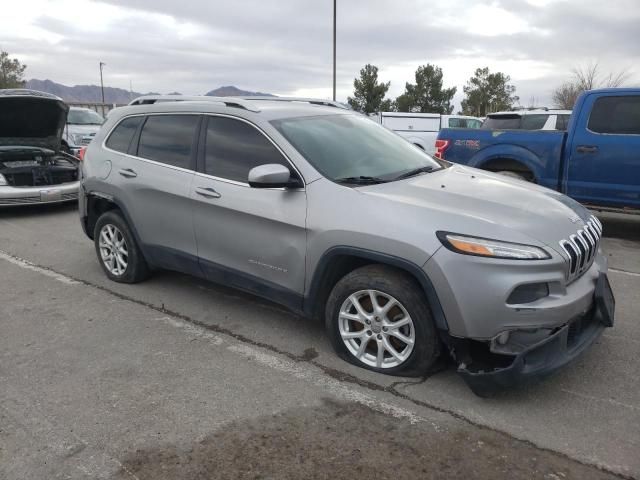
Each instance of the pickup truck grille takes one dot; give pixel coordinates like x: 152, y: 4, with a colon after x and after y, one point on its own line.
x: 582, y: 247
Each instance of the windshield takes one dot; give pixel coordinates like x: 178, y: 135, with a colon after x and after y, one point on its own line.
x: 351, y: 146
x: 84, y: 117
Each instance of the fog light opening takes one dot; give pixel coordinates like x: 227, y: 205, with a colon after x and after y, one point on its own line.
x: 528, y: 293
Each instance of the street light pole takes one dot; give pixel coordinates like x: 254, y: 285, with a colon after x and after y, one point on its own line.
x: 334, y: 50
x: 101, y: 82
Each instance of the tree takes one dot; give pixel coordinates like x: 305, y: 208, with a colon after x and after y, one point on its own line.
x: 586, y: 77
x: 11, y: 72
x: 488, y: 92
x: 427, y: 95
x: 368, y: 93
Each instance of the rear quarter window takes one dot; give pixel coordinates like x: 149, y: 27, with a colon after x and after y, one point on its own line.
x: 121, y: 137
x: 616, y: 115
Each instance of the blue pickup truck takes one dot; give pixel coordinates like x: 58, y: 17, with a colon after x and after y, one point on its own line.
x: 596, y: 161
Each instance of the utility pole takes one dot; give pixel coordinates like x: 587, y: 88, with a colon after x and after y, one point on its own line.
x: 101, y: 82
x: 334, y: 50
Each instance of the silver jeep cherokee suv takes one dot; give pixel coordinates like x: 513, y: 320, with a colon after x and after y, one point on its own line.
x: 324, y: 211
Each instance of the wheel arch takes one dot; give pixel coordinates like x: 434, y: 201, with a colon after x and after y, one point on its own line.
x: 97, y: 204
x: 500, y: 164
x: 338, y: 261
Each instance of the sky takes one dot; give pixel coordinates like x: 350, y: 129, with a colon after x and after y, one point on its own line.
x: 284, y: 47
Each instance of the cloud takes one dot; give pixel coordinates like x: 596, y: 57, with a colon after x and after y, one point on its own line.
x: 284, y: 46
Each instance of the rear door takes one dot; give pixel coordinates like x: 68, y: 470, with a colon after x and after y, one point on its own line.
x: 603, y: 164
x: 249, y: 238
x: 155, y: 184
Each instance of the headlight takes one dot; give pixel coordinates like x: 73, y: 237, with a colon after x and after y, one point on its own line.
x: 77, y: 138
x: 3, y: 181
x: 486, y: 247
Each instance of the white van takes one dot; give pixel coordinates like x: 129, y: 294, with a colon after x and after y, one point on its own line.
x: 421, y: 129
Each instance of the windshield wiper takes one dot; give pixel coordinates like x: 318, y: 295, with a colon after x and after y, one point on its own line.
x: 360, y: 180
x: 414, y: 172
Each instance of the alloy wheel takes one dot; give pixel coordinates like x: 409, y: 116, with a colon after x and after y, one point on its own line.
x: 376, y: 328
x: 113, y: 250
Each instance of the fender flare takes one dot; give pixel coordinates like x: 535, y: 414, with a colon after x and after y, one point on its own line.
x: 311, y: 299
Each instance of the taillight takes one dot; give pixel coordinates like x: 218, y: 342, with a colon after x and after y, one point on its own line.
x: 81, y: 153
x: 441, y: 146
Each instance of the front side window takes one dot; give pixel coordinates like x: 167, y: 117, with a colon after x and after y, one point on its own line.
x: 613, y: 115
x: 168, y: 139
x: 234, y: 147
x: 562, y: 122
x: 343, y: 147
x: 121, y: 137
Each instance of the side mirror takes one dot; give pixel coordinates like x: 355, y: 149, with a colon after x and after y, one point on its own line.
x: 272, y: 175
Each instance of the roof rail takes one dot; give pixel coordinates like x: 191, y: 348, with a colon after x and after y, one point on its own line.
x: 227, y: 101
x: 313, y: 101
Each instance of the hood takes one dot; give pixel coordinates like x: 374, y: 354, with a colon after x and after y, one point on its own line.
x: 475, y: 202
x: 32, y: 119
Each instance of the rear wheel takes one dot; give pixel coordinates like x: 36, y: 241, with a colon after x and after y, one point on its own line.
x: 118, y: 253
x: 377, y: 317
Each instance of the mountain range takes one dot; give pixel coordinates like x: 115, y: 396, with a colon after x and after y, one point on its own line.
x: 93, y: 94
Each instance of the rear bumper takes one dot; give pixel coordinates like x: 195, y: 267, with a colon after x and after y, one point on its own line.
x: 64, y: 192
x: 540, y: 360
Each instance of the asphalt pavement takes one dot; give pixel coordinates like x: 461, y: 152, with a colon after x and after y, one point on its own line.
x: 179, y: 378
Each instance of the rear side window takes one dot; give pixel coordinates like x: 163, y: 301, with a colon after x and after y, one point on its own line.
x: 121, y: 137
x: 234, y: 147
x: 613, y: 115
x: 562, y: 122
x: 168, y: 139
x: 533, y: 122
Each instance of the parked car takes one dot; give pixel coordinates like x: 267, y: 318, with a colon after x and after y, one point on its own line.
x: 421, y: 129
x: 597, y: 161
x: 538, y: 119
x: 330, y: 214
x: 33, y: 169
x: 82, y: 125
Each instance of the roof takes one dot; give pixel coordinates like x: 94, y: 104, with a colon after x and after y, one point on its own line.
x: 25, y: 92
x: 536, y: 111
x: 267, y: 107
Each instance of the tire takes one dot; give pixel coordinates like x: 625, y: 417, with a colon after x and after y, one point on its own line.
x: 136, y: 268
x: 516, y: 175
x: 385, y: 282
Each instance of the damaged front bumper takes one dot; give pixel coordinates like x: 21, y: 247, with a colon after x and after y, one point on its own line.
x: 545, y: 357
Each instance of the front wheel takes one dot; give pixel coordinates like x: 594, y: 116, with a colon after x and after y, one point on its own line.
x: 378, y: 318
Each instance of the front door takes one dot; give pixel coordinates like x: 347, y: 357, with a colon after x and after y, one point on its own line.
x: 604, y: 158
x: 249, y: 238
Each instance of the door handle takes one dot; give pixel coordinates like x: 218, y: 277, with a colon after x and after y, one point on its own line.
x: 127, y: 172
x: 207, y: 192
x: 586, y: 149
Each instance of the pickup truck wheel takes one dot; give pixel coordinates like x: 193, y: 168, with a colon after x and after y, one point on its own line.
x: 378, y: 318
x: 516, y: 175
x: 117, y: 251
